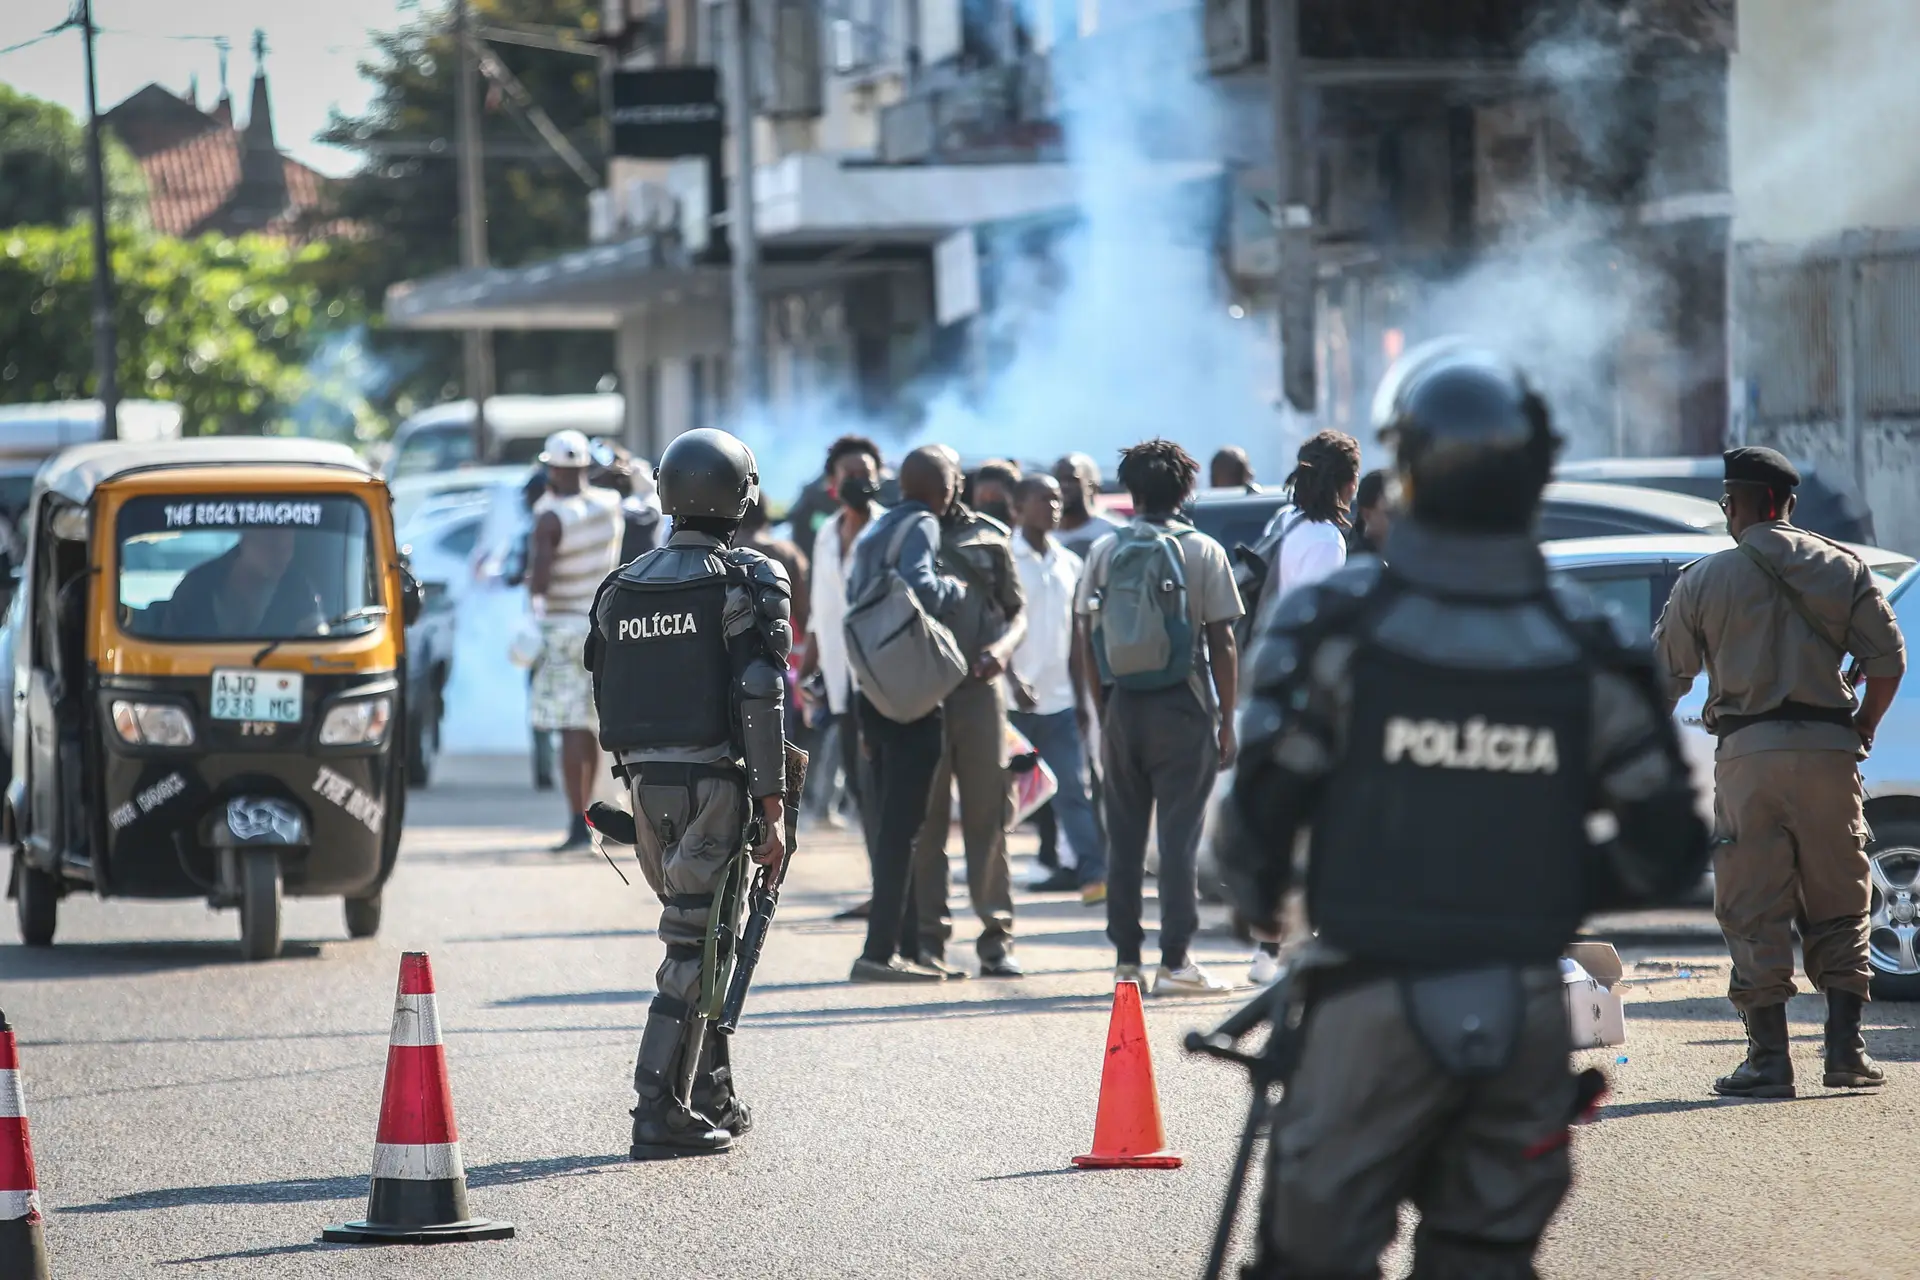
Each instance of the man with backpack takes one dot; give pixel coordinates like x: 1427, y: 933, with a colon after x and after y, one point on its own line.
x: 1157, y: 605
x: 906, y: 663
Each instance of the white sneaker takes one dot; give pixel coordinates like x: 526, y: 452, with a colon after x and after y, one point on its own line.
x: 1188, y: 980
x: 1129, y: 973
x: 1265, y: 968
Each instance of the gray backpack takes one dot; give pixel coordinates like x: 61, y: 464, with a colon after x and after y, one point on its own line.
x: 905, y: 660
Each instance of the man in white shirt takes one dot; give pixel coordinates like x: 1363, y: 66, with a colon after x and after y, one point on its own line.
x: 1044, y: 691
x: 853, y: 469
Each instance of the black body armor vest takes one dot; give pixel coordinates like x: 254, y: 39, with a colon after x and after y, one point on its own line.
x: 663, y: 676
x: 1454, y: 830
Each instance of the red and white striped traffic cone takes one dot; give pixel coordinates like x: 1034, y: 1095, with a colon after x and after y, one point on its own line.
x: 419, y: 1192
x: 23, y: 1242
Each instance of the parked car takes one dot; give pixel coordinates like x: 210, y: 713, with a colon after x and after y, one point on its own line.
x: 1235, y: 517
x: 440, y: 438
x: 1635, y: 576
x: 1823, y: 508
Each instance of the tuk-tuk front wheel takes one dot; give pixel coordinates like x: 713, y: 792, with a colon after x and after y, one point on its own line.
x: 36, y: 901
x: 363, y: 916
x: 260, y: 905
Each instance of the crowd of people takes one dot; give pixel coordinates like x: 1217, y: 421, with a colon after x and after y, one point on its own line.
x: 1016, y: 565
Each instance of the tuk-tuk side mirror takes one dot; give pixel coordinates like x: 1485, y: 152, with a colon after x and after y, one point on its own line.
x: 412, y: 598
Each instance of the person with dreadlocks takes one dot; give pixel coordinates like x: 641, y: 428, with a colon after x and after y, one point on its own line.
x: 1306, y: 542
x: 1156, y: 607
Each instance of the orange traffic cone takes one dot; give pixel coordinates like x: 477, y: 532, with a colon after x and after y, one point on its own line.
x: 1127, y: 1133
x: 419, y: 1192
x: 23, y: 1242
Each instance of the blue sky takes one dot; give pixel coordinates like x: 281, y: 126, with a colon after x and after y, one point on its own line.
x: 313, y: 47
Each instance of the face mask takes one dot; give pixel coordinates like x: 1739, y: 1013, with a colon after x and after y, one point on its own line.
x: 1001, y: 511
x: 857, y: 494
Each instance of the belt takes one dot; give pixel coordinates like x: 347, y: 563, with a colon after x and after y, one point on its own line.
x: 1788, y: 712
x: 680, y: 773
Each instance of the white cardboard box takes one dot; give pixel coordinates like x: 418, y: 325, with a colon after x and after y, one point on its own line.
x: 1591, y: 971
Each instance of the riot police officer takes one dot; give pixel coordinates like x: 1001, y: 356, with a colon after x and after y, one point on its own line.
x: 1442, y: 726
x: 688, y: 652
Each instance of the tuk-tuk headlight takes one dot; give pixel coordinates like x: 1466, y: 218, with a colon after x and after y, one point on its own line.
x: 152, y: 724
x: 363, y: 720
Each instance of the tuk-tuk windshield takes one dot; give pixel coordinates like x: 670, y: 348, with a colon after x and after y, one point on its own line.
x: 246, y: 567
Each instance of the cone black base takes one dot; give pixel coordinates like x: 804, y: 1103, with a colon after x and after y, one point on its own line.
x: 23, y: 1250
x: 393, y: 1233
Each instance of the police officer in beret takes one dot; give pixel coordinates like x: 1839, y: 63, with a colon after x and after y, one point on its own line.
x: 1771, y: 620
x: 1441, y: 726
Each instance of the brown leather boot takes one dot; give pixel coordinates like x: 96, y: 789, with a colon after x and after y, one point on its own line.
x: 1848, y: 1066
x: 1768, y: 1070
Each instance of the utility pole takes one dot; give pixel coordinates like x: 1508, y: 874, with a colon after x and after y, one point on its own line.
x: 105, y: 376
x: 749, y: 360
x: 478, y: 343
x: 1292, y: 214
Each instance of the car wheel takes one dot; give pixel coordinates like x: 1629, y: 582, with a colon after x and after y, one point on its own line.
x: 423, y: 741
x: 36, y: 902
x: 260, y: 905
x: 1893, y: 919
x: 363, y: 916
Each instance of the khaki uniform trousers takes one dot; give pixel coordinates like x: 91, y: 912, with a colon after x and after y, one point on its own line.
x: 687, y: 872
x: 975, y: 757
x: 1792, y: 853
x: 1368, y: 1120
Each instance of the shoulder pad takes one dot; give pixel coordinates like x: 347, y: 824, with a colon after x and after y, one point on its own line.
x: 1606, y: 636
x: 759, y: 570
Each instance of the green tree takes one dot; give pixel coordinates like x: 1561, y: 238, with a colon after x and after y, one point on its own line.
x: 405, y: 194
x: 43, y: 167
x: 232, y: 330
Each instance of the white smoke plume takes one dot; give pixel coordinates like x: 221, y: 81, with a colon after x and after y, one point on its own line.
x: 1118, y: 330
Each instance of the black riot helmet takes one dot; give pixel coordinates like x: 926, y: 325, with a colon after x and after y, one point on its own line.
x: 708, y: 474
x: 1472, y: 439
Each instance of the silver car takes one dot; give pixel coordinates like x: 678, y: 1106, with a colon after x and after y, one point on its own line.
x: 1634, y: 577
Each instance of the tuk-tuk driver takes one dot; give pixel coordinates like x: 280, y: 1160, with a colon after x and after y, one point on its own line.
x: 251, y: 590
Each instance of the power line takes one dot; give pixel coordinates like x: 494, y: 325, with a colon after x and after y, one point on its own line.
x: 30, y: 41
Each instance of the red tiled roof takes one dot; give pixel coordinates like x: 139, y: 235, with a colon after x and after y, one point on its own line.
x: 191, y: 188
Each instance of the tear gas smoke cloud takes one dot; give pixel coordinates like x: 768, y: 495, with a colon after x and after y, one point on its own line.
x: 1563, y: 294
x: 1819, y: 97
x: 1118, y: 330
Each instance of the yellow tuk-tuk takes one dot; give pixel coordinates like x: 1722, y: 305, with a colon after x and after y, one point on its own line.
x: 208, y: 682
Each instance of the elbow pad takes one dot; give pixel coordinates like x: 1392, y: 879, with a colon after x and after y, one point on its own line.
x: 760, y: 698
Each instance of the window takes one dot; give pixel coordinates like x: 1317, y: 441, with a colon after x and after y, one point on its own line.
x: 246, y: 567
x: 434, y: 449
x: 460, y: 540
x: 1629, y: 594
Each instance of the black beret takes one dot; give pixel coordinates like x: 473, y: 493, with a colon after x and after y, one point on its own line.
x: 1756, y: 465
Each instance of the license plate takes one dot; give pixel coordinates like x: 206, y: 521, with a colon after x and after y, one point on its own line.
x: 240, y: 693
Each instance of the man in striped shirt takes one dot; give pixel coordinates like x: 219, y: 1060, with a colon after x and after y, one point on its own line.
x: 575, y: 544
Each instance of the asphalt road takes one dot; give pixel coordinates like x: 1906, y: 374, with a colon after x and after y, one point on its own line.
x: 193, y: 1115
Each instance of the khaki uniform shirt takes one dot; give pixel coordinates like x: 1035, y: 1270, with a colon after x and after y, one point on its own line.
x: 982, y: 617
x: 1728, y: 616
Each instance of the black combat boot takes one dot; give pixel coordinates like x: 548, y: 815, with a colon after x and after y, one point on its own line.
x: 1848, y: 1066
x: 1768, y: 1070
x: 664, y: 1128
x: 713, y: 1094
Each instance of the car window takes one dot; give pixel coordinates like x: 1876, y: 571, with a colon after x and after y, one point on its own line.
x: 434, y: 449
x: 461, y: 538
x: 1565, y: 520
x: 1630, y: 594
